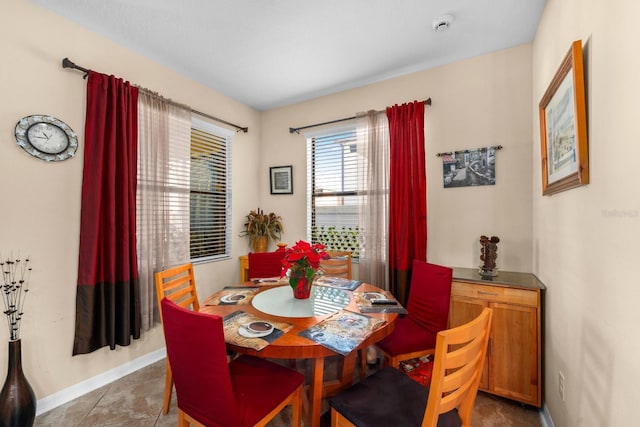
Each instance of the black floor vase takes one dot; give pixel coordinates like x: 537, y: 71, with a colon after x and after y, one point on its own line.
x: 17, y: 399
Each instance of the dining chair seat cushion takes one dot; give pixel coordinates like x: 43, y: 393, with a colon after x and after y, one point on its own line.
x: 388, y: 398
x: 260, y: 385
x: 407, y: 337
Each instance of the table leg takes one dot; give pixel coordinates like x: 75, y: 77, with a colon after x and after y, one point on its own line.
x: 315, y: 400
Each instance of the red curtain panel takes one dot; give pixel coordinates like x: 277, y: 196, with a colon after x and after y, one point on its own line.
x: 107, y: 298
x: 407, y: 195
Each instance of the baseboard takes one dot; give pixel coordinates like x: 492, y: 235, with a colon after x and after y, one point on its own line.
x: 70, y: 393
x: 545, y: 417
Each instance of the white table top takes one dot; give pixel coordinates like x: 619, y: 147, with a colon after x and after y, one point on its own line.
x: 280, y: 301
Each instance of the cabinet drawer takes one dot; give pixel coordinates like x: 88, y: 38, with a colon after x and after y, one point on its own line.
x: 495, y: 293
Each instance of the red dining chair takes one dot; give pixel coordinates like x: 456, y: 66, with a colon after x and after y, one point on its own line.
x: 265, y: 264
x: 391, y: 398
x: 428, y: 312
x: 247, y: 391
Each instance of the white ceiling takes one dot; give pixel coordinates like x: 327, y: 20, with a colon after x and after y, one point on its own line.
x: 270, y: 53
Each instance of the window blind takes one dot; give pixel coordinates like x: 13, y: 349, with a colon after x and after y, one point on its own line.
x: 210, y: 191
x: 332, y: 190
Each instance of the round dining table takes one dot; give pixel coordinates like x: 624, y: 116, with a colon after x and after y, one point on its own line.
x: 293, y: 346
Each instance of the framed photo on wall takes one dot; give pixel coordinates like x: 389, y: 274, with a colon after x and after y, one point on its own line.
x: 281, y: 179
x: 563, y: 127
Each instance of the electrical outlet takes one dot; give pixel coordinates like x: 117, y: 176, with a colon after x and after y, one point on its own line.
x: 561, y: 385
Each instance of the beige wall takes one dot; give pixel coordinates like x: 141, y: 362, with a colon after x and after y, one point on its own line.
x: 476, y: 103
x: 586, y: 240
x: 40, y: 202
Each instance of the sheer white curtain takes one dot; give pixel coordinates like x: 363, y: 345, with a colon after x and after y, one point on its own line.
x: 162, y: 233
x: 372, y: 133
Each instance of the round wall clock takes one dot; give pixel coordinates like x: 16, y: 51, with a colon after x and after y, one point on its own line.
x: 46, y: 138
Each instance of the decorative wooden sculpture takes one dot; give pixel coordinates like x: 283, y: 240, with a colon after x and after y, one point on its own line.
x: 488, y: 255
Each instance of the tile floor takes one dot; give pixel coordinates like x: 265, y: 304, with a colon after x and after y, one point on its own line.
x: 136, y: 401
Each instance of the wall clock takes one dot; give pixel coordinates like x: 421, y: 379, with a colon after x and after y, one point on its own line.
x: 46, y: 138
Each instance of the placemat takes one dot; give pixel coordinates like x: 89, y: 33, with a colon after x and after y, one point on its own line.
x: 363, y: 299
x: 231, y: 295
x: 232, y: 323
x: 343, y: 331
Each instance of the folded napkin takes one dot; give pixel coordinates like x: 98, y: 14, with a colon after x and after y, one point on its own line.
x: 378, y: 302
x: 230, y: 295
x: 236, y: 332
x: 343, y: 331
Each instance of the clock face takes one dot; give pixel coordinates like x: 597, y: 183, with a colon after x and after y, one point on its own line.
x: 46, y: 138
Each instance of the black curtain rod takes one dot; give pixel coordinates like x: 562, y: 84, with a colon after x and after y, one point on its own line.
x: 449, y: 153
x: 296, y: 130
x: 66, y: 63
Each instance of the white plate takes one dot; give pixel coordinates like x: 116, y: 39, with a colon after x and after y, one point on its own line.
x: 245, y: 332
x: 231, y: 298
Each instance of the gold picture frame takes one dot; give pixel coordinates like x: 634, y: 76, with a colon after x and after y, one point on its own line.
x: 563, y: 127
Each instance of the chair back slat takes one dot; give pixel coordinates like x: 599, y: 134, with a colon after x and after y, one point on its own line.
x: 337, y: 265
x: 178, y: 284
x: 457, y: 368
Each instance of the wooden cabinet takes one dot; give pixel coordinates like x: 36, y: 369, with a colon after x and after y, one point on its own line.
x: 513, y: 365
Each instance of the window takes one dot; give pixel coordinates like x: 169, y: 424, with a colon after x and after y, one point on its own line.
x: 332, y: 191
x: 210, y: 191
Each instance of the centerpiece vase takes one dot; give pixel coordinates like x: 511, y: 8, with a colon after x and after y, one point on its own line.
x: 17, y: 399
x: 260, y: 244
x: 302, y: 290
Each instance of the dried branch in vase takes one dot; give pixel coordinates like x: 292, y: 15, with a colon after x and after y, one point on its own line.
x: 15, y: 276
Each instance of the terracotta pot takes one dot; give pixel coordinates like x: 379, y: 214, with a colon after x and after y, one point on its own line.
x: 302, y: 289
x: 17, y: 399
x: 260, y: 244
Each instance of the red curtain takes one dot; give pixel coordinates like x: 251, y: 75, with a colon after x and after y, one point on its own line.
x: 107, y: 298
x: 407, y: 195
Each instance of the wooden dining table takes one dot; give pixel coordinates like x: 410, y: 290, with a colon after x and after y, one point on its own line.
x: 293, y: 346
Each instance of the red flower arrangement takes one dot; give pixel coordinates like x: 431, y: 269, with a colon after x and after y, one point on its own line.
x: 302, y: 260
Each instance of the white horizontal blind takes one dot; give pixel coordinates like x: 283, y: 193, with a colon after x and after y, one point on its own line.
x: 333, y: 200
x: 210, y: 191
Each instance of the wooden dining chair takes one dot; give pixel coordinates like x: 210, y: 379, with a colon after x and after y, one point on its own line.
x: 177, y: 284
x: 428, y: 313
x: 248, y: 391
x: 265, y: 264
x: 337, y: 265
x: 391, y: 398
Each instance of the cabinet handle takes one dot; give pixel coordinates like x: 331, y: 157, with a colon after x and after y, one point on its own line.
x: 488, y: 293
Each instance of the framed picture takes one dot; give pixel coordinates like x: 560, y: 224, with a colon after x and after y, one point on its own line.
x: 281, y: 179
x: 563, y: 127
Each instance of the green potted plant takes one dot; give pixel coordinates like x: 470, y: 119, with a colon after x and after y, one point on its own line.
x: 261, y: 227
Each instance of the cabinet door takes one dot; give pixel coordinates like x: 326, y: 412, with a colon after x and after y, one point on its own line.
x: 513, y: 361
x: 463, y: 310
